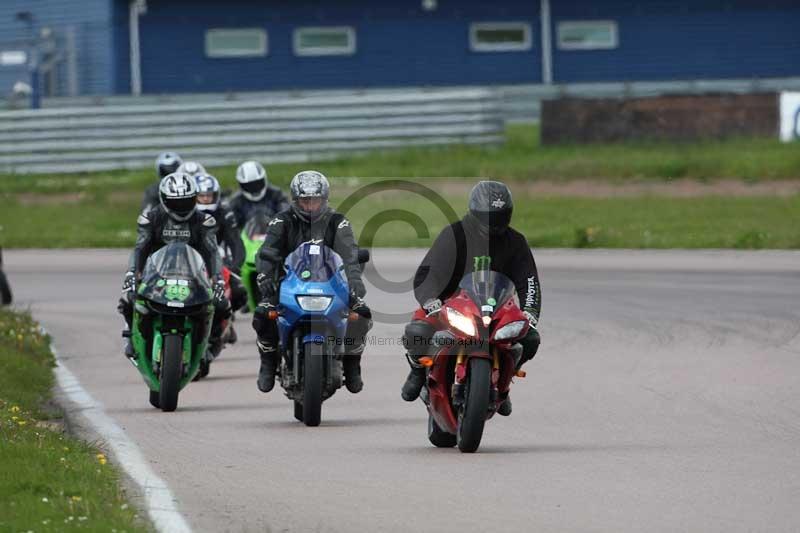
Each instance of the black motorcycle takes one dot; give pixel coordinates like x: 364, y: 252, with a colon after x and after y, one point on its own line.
x: 5, y: 288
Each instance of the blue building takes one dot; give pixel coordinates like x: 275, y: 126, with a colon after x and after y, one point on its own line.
x: 184, y: 46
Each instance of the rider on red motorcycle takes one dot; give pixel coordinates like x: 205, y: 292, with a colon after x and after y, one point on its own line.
x: 482, y: 240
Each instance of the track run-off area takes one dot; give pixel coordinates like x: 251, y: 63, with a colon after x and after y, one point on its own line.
x: 665, y: 397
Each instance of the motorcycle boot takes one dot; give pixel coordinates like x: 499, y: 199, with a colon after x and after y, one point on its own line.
x: 269, y: 364
x: 417, y: 344
x: 504, y: 409
x: 414, y: 381
x: 352, y: 373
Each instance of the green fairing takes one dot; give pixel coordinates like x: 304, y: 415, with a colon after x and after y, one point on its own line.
x: 249, y: 269
x: 191, y: 357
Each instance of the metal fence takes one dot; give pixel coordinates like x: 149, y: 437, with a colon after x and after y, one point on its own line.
x: 276, y: 129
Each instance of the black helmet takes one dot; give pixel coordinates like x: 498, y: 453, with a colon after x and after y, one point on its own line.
x: 167, y: 163
x: 491, y: 204
x: 178, y: 194
x: 252, y: 178
x: 310, y: 184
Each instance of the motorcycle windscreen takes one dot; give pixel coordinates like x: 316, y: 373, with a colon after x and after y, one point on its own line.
x: 176, y: 276
x: 256, y: 228
x: 486, y: 287
x: 314, y: 262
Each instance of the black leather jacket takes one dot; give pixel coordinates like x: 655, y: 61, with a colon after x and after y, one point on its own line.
x: 157, y: 229
x: 229, y: 235
x: 287, y: 230
x: 274, y: 202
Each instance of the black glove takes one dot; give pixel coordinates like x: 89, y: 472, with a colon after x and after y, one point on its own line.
x: 129, y: 283
x: 360, y: 307
x: 267, y: 288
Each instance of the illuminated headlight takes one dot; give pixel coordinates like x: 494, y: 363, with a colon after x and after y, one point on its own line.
x: 509, y: 331
x: 314, y: 303
x: 462, y: 323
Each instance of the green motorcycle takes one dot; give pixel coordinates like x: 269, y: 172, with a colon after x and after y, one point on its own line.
x: 172, y: 317
x: 253, y: 235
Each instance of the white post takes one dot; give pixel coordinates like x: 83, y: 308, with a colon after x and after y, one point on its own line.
x: 135, y: 8
x: 547, y: 42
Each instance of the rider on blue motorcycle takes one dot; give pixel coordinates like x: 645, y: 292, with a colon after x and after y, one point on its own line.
x: 310, y: 218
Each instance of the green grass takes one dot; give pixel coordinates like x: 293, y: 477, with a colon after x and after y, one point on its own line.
x: 520, y: 158
x: 100, y: 209
x: 48, y: 481
x: 646, y: 222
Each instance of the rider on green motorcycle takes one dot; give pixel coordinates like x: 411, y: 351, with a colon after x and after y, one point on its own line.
x: 309, y: 219
x: 176, y: 219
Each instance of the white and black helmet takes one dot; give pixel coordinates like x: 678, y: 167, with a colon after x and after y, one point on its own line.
x: 310, y: 184
x: 178, y: 195
x: 207, y: 185
x: 167, y: 163
x: 252, y: 178
x: 193, y: 168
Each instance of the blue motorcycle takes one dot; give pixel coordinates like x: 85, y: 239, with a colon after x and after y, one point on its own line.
x: 312, y: 316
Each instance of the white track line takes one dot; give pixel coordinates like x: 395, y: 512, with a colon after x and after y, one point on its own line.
x: 161, y: 504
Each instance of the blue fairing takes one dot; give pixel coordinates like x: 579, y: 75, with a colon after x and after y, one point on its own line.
x: 313, y: 270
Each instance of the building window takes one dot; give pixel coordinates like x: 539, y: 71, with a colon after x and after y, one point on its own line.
x: 499, y: 36
x: 587, y: 35
x: 10, y: 58
x: 240, y: 42
x: 330, y: 41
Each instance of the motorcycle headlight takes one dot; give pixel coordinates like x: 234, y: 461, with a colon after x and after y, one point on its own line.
x: 314, y: 303
x: 462, y: 323
x: 509, y: 331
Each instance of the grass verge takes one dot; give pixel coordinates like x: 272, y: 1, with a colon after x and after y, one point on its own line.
x: 522, y: 157
x: 48, y: 481
x: 644, y: 222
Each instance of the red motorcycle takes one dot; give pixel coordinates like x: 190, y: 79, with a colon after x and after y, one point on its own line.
x: 475, y: 360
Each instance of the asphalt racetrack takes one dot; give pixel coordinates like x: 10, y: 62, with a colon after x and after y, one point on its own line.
x: 665, y: 397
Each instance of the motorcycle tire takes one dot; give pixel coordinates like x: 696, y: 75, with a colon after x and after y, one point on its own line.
x: 298, y: 411
x: 472, y: 414
x: 439, y: 437
x: 171, y: 372
x: 154, y: 400
x: 313, y: 380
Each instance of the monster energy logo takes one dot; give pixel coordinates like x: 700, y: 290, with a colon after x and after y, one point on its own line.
x: 482, y: 262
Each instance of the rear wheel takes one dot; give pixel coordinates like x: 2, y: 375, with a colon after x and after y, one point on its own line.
x: 171, y: 372
x: 439, y: 437
x: 472, y: 415
x: 298, y: 410
x: 314, y: 361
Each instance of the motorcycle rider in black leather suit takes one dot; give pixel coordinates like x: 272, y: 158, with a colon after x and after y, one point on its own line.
x: 482, y: 240
x: 309, y: 218
x: 175, y: 219
x: 255, y: 194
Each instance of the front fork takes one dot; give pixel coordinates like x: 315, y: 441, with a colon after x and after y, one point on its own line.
x: 460, y: 381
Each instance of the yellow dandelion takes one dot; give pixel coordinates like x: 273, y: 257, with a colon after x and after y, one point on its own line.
x: 14, y: 409
x: 14, y: 418
x: 21, y: 422
x: 101, y: 459
x: 66, y: 449
x: 76, y: 498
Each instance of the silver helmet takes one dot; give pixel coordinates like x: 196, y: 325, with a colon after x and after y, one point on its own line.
x: 178, y: 195
x: 208, y: 192
x: 193, y: 168
x: 167, y: 163
x: 307, y: 186
x: 252, y: 178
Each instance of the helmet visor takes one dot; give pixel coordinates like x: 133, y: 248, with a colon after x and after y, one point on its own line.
x: 180, y: 206
x: 496, y: 221
x: 311, y: 206
x: 254, y: 187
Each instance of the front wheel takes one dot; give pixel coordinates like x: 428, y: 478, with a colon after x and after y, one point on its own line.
x: 472, y: 415
x: 171, y: 372
x: 314, y: 361
x: 5, y: 290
